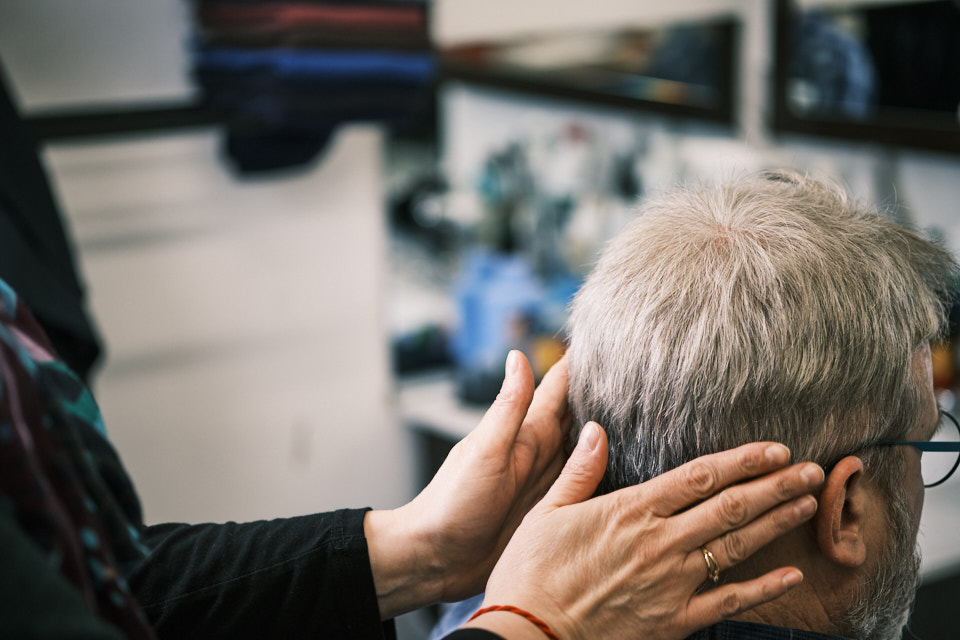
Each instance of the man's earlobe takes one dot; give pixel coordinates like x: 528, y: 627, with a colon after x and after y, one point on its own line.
x: 840, y: 517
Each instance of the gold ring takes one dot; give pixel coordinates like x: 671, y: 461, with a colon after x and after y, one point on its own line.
x: 713, y: 567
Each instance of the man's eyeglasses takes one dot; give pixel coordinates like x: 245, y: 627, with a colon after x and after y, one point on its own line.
x: 941, y: 454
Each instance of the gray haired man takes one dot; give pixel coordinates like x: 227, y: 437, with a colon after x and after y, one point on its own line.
x: 776, y: 308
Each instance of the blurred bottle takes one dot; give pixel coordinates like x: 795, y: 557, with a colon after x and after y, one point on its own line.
x: 499, y: 300
x: 944, y: 363
x: 945, y: 354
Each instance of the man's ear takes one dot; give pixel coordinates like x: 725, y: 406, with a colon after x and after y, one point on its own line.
x: 840, y: 517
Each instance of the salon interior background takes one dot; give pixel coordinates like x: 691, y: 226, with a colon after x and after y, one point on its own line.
x: 249, y: 321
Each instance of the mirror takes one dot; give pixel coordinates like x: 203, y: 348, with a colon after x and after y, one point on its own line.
x: 683, y: 69
x: 878, y: 71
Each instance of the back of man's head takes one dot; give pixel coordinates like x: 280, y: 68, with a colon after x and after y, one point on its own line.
x: 771, y: 308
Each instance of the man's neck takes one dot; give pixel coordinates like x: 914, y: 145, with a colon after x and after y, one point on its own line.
x: 794, y: 611
x: 819, y: 603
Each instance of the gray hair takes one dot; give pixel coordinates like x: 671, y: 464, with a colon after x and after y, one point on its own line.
x: 771, y: 308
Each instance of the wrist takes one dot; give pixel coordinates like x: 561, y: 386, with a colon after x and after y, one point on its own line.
x: 404, y: 576
x: 523, y: 613
x: 507, y: 625
x: 514, y: 588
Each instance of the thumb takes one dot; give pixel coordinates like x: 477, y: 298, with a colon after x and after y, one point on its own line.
x: 503, y: 419
x: 584, y: 469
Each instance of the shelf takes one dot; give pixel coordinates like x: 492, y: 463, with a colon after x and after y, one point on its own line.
x: 429, y: 403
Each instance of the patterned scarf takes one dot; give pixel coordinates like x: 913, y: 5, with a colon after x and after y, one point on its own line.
x: 59, y: 477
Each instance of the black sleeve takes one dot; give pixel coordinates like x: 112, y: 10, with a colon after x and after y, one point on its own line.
x: 473, y: 634
x: 36, y: 601
x: 306, y: 577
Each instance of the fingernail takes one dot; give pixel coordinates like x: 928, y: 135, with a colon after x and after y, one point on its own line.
x: 589, y: 437
x: 513, y: 363
x: 812, y: 475
x: 777, y: 454
x: 792, y: 579
x: 805, y: 507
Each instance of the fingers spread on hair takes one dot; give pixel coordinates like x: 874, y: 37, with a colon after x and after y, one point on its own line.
x: 701, y: 478
x: 736, y: 507
x: 735, y: 547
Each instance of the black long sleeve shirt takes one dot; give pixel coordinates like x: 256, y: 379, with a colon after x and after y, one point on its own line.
x: 305, y: 577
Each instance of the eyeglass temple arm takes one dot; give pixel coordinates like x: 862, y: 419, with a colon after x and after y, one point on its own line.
x: 931, y: 446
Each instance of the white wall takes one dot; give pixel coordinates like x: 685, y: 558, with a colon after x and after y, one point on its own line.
x: 64, y: 53
x: 247, y: 372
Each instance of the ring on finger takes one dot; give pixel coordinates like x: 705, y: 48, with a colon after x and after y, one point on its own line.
x: 713, y: 567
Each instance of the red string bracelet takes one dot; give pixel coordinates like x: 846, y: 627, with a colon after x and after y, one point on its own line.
x: 520, y: 612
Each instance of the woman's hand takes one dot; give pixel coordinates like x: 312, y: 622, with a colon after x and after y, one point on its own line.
x: 629, y: 563
x: 443, y: 545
